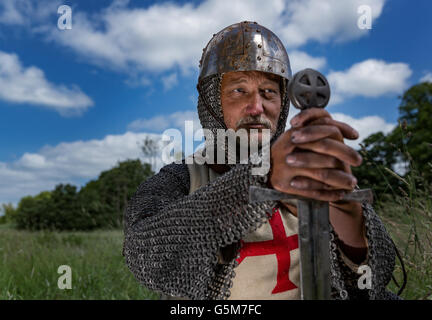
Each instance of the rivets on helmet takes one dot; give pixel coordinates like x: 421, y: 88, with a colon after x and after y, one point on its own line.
x: 258, y: 58
x: 283, y: 70
x: 258, y: 30
x: 260, y: 46
x: 269, y: 68
x: 255, y: 22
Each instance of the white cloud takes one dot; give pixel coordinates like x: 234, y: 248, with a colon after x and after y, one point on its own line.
x: 427, y: 77
x: 301, y: 60
x: 160, y: 123
x: 154, y: 124
x: 323, y: 21
x: 169, y: 81
x: 26, y: 12
x: 138, y: 81
x: 165, y: 35
x: 19, y: 84
x: 10, y: 14
x: 369, y: 78
x: 71, y: 162
x: 365, y: 126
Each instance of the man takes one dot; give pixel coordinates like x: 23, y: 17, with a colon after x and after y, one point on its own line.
x: 190, y: 230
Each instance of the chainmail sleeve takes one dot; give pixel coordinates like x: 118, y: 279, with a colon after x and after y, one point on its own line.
x: 380, y: 259
x: 172, y: 238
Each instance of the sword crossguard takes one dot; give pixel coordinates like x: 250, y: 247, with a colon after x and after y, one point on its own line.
x: 259, y: 194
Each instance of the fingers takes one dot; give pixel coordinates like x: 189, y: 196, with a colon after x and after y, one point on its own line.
x: 334, y: 148
x: 317, y: 116
x: 314, y: 133
x: 308, y: 115
x: 290, y: 179
x: 318, y: 190
x: 313, y: 160
x: 347, y: 131
x: 332, y: 178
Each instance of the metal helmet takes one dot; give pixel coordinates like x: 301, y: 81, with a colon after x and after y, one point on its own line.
x: 245, y: 46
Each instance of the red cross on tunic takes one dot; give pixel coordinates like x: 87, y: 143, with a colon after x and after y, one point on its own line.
x: 281, y: 245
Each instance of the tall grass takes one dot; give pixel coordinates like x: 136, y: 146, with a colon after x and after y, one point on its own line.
x: 407, y: 214
x: 408, y: 217
x: 29, y: 262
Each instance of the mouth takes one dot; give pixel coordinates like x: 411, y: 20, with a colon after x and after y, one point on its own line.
x: 255, y: 126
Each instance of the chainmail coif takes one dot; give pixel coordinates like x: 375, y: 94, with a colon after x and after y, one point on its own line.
x: 172, y: 238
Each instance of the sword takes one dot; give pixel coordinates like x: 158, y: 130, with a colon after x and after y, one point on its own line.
x: 309, y: 88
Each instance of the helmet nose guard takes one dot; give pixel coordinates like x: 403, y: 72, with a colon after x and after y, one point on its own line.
x: 245, y: 46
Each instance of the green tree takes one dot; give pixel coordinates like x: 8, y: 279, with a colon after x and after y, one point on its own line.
x: 106, y: 198
x: 377, y: 155
x: 63, y: 211
x: 414, y: 136
x: 30, y: 213
x: 8, y: 213
x: 99, y: 204
x: 408, y: 143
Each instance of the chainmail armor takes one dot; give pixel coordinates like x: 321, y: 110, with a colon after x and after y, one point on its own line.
x: 172, y: 238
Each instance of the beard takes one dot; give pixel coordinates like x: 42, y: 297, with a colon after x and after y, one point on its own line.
x: 261, y: 123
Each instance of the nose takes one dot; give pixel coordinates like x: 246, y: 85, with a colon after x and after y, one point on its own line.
x: 255, y: 105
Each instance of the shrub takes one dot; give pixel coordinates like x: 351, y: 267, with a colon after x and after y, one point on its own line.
x: 99, y: 204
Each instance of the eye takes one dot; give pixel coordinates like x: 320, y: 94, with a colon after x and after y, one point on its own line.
x: 241, y: 90
x: 269, y: 93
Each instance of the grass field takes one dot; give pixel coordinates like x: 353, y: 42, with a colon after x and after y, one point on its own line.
x: 410, y: 226
x: 29, y: 260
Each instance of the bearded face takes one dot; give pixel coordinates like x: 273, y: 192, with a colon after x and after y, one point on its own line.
x: 251, y: 100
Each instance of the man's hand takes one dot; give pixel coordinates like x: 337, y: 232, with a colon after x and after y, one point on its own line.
x: 311, y: 159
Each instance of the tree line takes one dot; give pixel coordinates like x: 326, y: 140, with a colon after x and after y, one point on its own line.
x: 98, y: 204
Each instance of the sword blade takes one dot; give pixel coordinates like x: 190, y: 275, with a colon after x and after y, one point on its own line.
x: 314, y: 239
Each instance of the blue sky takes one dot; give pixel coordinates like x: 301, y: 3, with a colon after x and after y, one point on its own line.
x: 74, y: 102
